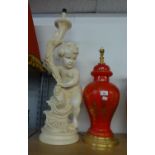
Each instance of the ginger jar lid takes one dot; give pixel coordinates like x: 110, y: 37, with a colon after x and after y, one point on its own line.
x: 101, y: 69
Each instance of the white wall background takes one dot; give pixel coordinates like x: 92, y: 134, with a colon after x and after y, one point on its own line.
x: 91, y: 33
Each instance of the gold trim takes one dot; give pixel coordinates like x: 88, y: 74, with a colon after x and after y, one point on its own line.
x: 35, y: 62
x: 100, y: 143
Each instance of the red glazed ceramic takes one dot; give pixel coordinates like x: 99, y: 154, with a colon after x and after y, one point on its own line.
x: 101, y: 99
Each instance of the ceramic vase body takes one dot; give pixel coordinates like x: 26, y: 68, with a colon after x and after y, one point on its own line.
x: 101, y: 99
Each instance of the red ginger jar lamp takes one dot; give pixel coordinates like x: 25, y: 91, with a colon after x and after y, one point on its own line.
x: 101, y: 99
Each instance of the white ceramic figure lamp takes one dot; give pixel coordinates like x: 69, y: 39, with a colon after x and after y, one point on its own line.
x: 61, y: 120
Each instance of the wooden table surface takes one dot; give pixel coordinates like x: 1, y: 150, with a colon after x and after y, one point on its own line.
x: 80, y: 148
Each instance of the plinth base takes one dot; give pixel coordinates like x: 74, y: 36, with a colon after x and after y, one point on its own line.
x: 59, y: 139
x: 100, y: 143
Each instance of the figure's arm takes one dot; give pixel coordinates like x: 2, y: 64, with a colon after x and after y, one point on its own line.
x: 52, y: 44
x: 73, y: 82
x: 62, y: 26
x: 49, y: 60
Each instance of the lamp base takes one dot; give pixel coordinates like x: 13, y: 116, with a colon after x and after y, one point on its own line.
x: 59, y: 139
x: 100, y: 143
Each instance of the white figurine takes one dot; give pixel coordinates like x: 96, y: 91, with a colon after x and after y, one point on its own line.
x: 61, y: 121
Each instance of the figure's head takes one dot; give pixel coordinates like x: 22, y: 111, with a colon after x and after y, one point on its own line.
x: 68, y: 52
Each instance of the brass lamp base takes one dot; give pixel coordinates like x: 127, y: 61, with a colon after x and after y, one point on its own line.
x: 100, y: 143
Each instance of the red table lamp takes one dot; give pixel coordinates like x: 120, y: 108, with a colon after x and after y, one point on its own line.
x: 101, y: 99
